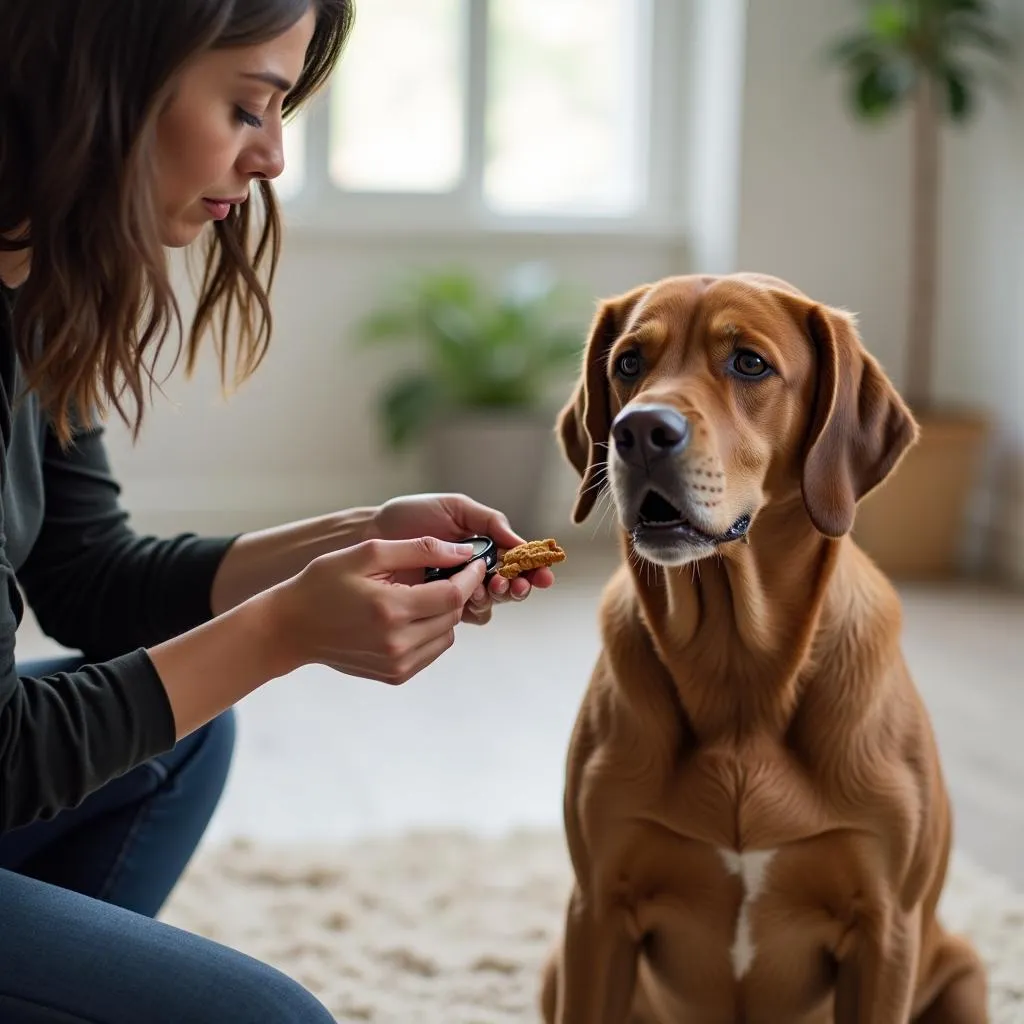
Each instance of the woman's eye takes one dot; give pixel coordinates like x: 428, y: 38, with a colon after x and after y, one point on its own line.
x: 750, y: 364
x: 628, y: 365
x: 252, y: 120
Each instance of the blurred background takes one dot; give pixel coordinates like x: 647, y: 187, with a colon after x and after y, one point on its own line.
x: 479, y: 175
x: 607, y: 143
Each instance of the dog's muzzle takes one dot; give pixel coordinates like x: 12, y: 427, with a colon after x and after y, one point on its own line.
x: 646, y: 434
x: 647, y: 437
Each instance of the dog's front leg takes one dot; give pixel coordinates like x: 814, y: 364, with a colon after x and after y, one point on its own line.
x: 877, y: 970
x: 597, y: 975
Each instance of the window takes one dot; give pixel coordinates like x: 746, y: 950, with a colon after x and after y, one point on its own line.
x: 396, y: 123
x: 495, y: 113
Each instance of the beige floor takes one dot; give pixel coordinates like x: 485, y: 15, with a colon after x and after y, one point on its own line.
x: 479, y: 738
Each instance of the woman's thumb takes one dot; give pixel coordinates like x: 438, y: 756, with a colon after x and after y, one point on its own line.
x: 418, y: 553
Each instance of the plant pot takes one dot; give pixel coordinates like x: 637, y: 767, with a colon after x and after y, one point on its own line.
x: 496, y: 458
x: 915, y: 525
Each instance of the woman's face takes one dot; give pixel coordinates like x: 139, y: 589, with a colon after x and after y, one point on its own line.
x: 222, y: 129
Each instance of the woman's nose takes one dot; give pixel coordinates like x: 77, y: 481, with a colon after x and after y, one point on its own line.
x: 263, y: 159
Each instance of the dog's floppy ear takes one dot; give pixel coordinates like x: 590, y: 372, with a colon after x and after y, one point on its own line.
x: 585, y: 421
x: 860, y: 427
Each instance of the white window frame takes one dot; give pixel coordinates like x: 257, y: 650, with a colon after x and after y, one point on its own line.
x: 663, y: 83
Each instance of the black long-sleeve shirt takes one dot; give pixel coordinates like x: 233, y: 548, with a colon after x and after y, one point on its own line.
x: 95, y: 586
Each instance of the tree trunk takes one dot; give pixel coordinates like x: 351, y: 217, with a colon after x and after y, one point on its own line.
x: 924, y: 242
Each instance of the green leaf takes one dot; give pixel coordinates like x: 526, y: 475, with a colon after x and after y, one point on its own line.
x: 406, y: 407
x: 856, y: 49
x: 889, y: 21
x: 975, y: 7
x: 973, y: 33
x: 876, y: 93
x: 386, y: 325
x: 923, y: 32
x: 564, y: 348
x: 453, y: 327
x: 478, y: 347
x: 959, y: 95
x: 449, y: 287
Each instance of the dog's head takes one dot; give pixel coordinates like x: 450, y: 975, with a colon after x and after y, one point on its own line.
x: 704, y: 399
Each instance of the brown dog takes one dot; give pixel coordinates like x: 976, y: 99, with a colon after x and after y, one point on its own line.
x: 754, y: 806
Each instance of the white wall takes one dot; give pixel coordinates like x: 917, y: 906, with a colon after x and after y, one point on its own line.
x: 785, y: 181
x: 824, y: 202
x: 981, y: 323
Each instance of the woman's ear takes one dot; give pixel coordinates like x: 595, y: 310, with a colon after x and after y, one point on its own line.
x: 860, y: 427
x: 585, y: 421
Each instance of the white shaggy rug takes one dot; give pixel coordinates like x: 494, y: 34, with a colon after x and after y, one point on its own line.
x: 450, y: 928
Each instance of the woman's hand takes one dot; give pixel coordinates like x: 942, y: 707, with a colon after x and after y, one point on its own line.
x: 365, y: 611
x: 454, y: 517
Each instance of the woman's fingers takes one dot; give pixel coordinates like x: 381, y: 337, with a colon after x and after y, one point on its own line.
x: 427, y: 600
x: 425, y: 655
x: 478, y: 519
x: 502, y: 590
x: 400, y: 629
x: 425, y: 631
x: 410, y: 654
x: 374, y: 557
x: 542, y: 579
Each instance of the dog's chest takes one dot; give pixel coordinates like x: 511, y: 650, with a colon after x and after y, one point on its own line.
x: 752, y: 869
x: 723, y: 866
x: 740, y: 799
x: 720, y: 924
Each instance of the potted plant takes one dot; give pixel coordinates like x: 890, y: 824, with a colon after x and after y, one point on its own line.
x: 477, y: 392
x: 923, y: 54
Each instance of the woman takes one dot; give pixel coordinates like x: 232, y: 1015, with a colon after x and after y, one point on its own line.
x: 127, y: 127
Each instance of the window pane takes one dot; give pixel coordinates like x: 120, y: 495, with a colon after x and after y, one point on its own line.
x: 397, y: 99
x: 562, y: 118
x: 293, y: 177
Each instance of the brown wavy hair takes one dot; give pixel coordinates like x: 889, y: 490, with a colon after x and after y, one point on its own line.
x: 81, y: 83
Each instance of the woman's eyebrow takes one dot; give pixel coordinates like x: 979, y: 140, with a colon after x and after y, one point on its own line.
x: 270, y: 79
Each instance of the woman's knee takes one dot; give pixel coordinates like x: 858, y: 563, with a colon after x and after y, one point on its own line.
x: 107, y: 965
x: 226, y: 986
x: 269, y: 994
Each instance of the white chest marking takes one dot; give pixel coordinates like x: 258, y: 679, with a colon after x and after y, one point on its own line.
x: 752, y: 869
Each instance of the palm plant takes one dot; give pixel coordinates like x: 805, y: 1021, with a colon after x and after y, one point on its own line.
x: 917, y: 52
x: 480, y: 350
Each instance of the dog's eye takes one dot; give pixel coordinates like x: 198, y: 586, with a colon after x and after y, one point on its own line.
x: 628, y: 365
x: 750, y: 364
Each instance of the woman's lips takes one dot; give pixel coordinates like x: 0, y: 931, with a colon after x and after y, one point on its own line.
x: 219, y: 208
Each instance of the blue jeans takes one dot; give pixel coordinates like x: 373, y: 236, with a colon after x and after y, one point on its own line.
x: 79, y: 893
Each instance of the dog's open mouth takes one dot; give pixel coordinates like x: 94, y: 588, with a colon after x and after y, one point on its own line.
x: 659, y: 517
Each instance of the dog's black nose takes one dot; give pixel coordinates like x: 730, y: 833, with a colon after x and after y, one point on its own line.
x: 645, y: 433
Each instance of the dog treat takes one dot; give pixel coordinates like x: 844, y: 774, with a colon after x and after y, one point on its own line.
x: 534, y: 554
